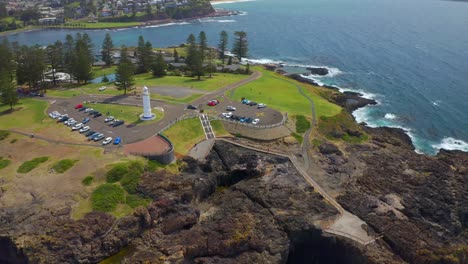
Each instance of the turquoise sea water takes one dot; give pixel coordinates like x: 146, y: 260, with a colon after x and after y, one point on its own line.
x: 409, y: 55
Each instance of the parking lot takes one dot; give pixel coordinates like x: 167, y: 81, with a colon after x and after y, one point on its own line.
x: 266, y: 115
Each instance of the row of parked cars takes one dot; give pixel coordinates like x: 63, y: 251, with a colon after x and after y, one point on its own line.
x: 110, y: 120
x: 252, y: 103
x: 242, y: 119
x: 82, y: 128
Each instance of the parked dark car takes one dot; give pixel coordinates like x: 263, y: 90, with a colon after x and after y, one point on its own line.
x: 97, y: 115
x: 191, y: 107
x: 85, y: 120
x: 89, y: 133
x: 118, y: 123
x: 82, y: 109
x: 63, y: 119
x: 248, y: 120
x: 252, y: 103
x: 92, y: 112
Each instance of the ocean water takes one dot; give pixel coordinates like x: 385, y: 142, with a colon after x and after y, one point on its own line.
x: 409, y: 55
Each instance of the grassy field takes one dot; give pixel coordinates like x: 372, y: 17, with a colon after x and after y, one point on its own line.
x: 341, y: 126
x: 99, y: 25
x: 28, y: 114
x: 185, y: 134
x: 4, y: 163
x: 129, y: 114
x: 218, y: 129
x: 218, y: 81
x: 101, y: 71
x: 281, y: 93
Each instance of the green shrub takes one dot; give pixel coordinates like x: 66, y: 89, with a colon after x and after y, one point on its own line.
x: 13, y: 140
x: 4, y: 134
x: 134, y: 200
x: 116, y: 173
x: 136, y: 166
x: 152, y: 166
x: 130, y: 181
x: 298, y: 137
x: 302, y: 124
x: 29, y: 165
x: 106, y: 197
x: 87, y: 181
x: 4, y: 163
x: 63, y: 165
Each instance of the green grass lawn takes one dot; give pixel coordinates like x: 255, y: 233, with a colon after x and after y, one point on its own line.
x: 281, y: 93
x: 29, y: 165
x: 218, y: 81
x: 129, y: 114
x: 99, y: 25
x: 218, y: 128
x: 64, y: 165
x: 30, y: 113
x: 185, y: 134
x: 101, y: 71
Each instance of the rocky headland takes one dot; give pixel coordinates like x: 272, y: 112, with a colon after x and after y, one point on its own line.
x: 244, y: 206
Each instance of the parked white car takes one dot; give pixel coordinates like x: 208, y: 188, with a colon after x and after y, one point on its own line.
x: 71, y: 123
x: 102, y: 88
x: 231, y: 108
x: 84, y: 129
x: 88, y: 110
x: 109, y: 118
x: 107, y: 141
x: 256, y: 121
x: 68, y: 121
x: 226, y: 115
x: 261, y: 105
x: 77, y: 126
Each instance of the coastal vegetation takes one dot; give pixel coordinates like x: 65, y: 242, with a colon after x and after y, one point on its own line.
x: 29, y: 165
x: 62, y: 166
x: 4, y: 134
x: 302, y: 124
x: 106, y: 197
x: 4, y: 162
x: 88, y: 180
x: 341, y: 126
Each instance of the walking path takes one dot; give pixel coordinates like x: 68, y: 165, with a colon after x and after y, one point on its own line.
x: 347, y: 224
x: 205, y: 122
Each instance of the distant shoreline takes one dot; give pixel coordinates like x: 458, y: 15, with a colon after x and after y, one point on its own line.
x: 217, y: 13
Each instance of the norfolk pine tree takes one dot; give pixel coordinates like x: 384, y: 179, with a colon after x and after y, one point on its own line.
x: 125, y: 70
x: 8, y: 96
x: 202, y: 43
x: 106, y: 52
x: 240, y: 48
x: 223, y: 42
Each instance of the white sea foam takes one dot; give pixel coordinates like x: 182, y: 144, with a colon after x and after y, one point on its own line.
x: 450, y: 143
x: 332, y: 72
x: 436, y: 103
x: 168, y: 24
x: 390, y: 116
x: 231, y: 2
x: 217, y: 20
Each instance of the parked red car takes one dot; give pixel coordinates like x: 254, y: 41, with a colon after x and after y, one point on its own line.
x: 78, y: 106
x: 213, y: 102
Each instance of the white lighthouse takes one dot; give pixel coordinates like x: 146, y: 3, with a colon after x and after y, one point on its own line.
x: 147, y: 115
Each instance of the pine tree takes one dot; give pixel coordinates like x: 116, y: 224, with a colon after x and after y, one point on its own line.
x: 69, y: 55
x: 144, y: 55
x: 83, y: 58
x: 240, y: 48
x: 106, y: 52
x: 8, y: 94
x: 192, y: 50
x: 159, y: 66
x: 176, y: 55
x: 30, y: 66
x: 7, y: 61
x: 223, y: 42
x: 54, y: 54
x: 197, y: 66
x: 202, y: 43
x: 125, y: 70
